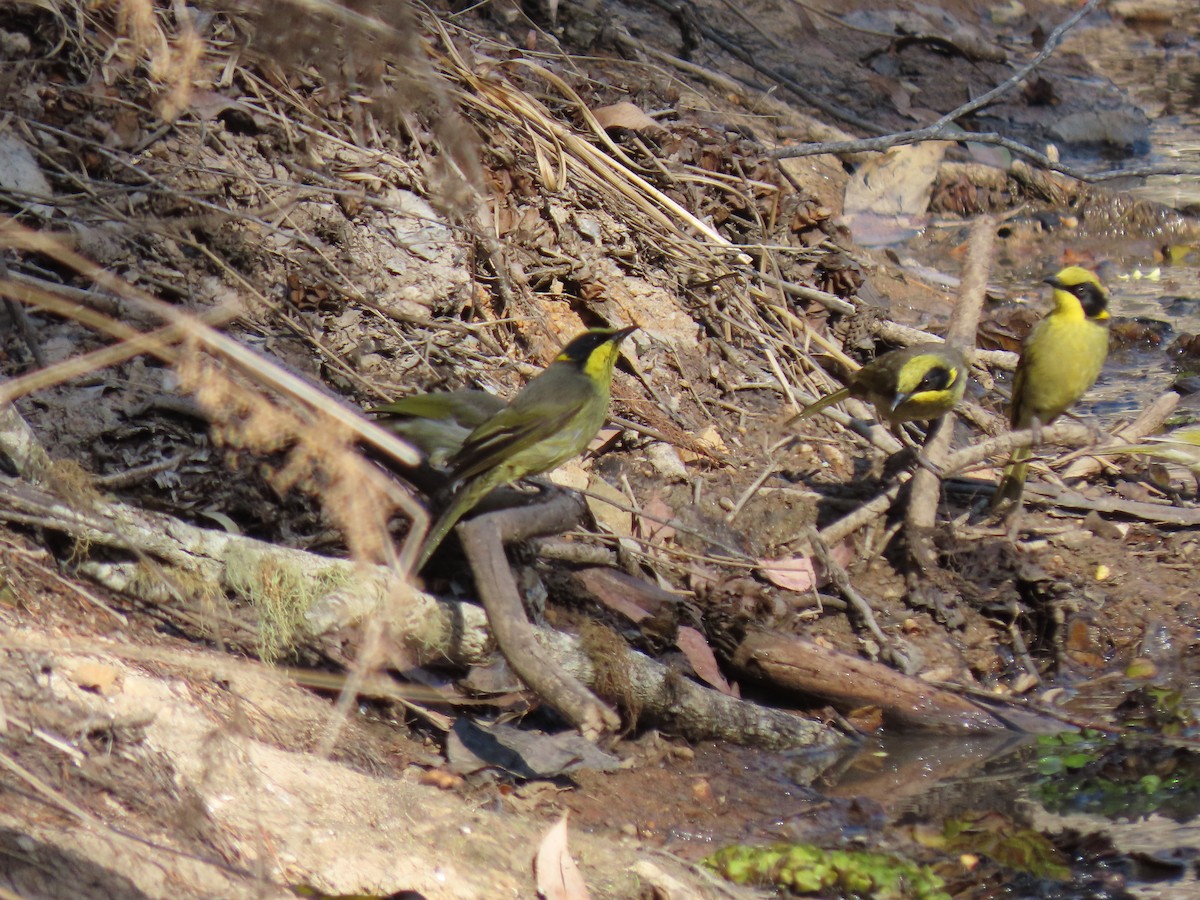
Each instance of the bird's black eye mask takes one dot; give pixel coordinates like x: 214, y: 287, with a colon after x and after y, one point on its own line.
x: 581, y: 348
x: 936, y: 379
x: 1091, y: 297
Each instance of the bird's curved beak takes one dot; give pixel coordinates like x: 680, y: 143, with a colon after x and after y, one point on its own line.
x: 899, y: 400
x: 623, y: 333
x: 1053, y: 281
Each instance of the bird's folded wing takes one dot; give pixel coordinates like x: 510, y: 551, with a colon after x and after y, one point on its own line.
x: 504, y: 436
x: 469, y: 408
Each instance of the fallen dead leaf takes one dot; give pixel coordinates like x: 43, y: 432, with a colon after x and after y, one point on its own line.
x: 625, y: 115
x: 794, y: 573
x: 704, y: 663
x: 710, y: 439
x: 614, y: 519
x: 655, y: 530
x: 570, y: 475
x: 557, y: 874
x: 616, y: 590
x: 889, y: 194
x: 603, y: 437
x: 441, y: 779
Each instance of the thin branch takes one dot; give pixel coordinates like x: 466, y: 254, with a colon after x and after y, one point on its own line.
x: 964, y: 323
x: 1052, y: 42
x: 483, y: 540
x: 736, y: 50
x: 945, y: 128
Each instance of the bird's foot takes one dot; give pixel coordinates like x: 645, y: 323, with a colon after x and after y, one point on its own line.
x: 930, y: 466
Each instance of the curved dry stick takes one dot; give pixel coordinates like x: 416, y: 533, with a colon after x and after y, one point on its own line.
x: 925, y: 490
x: 483, y: 539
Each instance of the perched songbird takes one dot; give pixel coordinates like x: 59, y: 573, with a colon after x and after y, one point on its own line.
x: 916, y: 383
x: 1181, y: 446
x: 1060, y: 359
x: 438, y: 423
x: 550, y: 420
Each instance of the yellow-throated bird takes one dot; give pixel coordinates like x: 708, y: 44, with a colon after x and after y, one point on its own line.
x: 438, y: 423
x: 916, y: 383
x: 1060, y: 359
x: 550, y: 420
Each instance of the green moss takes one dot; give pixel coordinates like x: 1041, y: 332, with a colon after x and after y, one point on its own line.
x: 804, y: 869
x: 1008, y: 843
x: 1119, y: 776
x: 281, y: 593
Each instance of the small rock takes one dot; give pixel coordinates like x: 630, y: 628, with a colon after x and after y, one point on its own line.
x: 1102, y: 527
x: 1076, y: 539
x: 666, y: 462
x: 1126, y: 128
x: 96, y: 677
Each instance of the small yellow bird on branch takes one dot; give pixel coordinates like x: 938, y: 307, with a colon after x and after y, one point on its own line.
x: 1060, y: 359
x: 552, y: 419
x: 917, y: 383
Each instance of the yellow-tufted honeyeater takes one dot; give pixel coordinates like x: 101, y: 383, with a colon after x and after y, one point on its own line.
x: 917, y: 383
x: 1060, y: 359
x: 553, y: 418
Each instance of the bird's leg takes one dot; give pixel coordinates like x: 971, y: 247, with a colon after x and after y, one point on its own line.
x: 1035, y: 426
x: 930, y: 466
x: 918, y: 451
x: 905, y: 438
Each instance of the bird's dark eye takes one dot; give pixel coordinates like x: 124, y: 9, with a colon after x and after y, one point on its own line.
x: 1091, y: 297
x: 936, y: 379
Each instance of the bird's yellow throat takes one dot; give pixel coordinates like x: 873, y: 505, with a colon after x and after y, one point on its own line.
x: 600, y: 362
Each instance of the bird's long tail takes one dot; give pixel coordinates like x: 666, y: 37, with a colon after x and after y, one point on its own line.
x: 461, y: 504
x: 1012, y: 485
x: 813, y: 408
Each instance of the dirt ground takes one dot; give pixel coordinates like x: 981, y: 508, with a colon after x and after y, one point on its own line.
x: 403, y: 215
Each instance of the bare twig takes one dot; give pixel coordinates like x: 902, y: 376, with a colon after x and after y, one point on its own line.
x: 483, y: 539
x: 810, y: 97
x: 944, y: 128
x: 895, y: 333
x: 857, y: 603
x: 1159, y: 513
x: 1068, y: 434
x: 925, y: 490
x: 20, y: 318
x: 1149, y: 421
x: 865, y: 514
